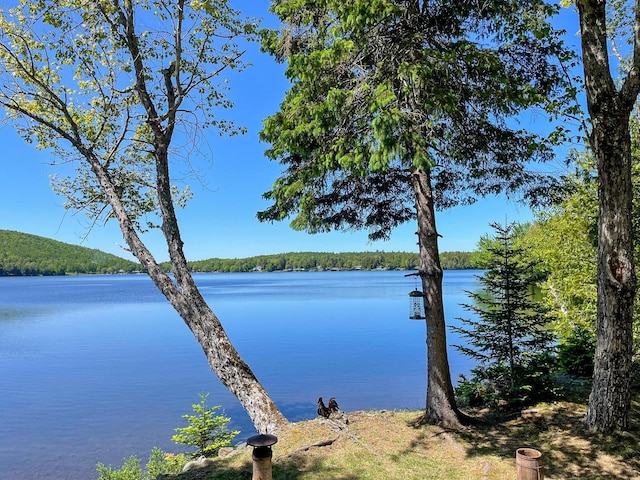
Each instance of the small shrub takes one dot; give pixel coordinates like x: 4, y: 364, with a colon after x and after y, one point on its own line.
x: 207, y: 431
x: 493, y: 385
x: 162, y: 462
x: 130, y: 470
x: 472, y: 392
x: 159, y: 462
x: 536, y: 381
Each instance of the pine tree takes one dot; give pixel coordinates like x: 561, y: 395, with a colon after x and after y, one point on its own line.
x: 509, y: 338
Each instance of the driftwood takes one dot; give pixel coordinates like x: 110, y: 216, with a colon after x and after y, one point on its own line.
x: 321, y: 443
x: 340, y: 425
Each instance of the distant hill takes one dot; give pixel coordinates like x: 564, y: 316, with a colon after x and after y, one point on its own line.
x: 26, y: 254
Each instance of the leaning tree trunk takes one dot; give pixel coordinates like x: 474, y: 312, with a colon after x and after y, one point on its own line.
x: 441, y: 405
x: 224, y: 359
x: 609, y: 109
x: 77, y: 127
x: 184, y: 295
x: 186, y: 299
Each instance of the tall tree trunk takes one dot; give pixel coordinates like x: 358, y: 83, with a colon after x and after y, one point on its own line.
x: 441, y: 405
x: 610, y: 399
x: 184, y: 295
x: 609, y: 109
x: 186, y: 299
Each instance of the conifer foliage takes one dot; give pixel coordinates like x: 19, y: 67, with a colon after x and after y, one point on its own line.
x: 207, y: 430
x: 509, y: 337
x: 398, y: 109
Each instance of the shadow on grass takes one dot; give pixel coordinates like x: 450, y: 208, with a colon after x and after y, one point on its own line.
x: 381, y: 442
x: 283, y: 469
x: 569, y: 449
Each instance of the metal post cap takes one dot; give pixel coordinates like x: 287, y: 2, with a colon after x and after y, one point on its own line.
x: 262, y: 440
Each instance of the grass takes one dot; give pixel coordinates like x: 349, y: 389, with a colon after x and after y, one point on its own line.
x: 398, y: 445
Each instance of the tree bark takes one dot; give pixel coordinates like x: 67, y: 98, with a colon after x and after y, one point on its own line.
x: 610, y: 398
x: 441, y: 405
x: 609, y: 109
x: 186, y: 299
x: 182, y: 293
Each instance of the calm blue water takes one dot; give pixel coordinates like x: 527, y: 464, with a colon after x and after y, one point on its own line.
x: 96, y: 368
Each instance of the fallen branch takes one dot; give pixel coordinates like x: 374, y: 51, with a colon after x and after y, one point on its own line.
x: 360, y: 442
x: 454, y: 443
x: 485, y: 470
x: 321, y: 443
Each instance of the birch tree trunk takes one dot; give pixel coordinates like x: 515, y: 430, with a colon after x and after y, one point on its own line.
x: 118, y: 113
x: 186, y: 299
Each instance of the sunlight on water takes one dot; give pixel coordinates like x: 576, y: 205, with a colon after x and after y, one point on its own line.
x: 96, y: 368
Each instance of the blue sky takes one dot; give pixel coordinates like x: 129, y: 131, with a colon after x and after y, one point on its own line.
x: 221, y: 221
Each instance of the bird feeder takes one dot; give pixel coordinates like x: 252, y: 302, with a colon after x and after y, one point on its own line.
x: 417, y: 305
x: 262, y: 454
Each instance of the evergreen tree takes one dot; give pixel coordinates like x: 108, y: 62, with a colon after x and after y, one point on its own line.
x: 509, y: 338
x: 398, y: 109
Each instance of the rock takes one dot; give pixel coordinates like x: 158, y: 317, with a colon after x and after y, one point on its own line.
x: 225, y: 451
x: 199, y: 462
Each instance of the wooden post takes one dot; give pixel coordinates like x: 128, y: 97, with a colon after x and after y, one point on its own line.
x: 262, y: 463
x: 261, y: 455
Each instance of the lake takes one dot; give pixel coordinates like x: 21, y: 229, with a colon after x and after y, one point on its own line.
x: 97, y: 368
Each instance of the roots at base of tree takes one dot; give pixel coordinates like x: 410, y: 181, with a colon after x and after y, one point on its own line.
x: 460, y: 422
x: 467, y: 420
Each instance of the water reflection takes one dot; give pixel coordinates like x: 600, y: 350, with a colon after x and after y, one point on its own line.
x: 94, y: 369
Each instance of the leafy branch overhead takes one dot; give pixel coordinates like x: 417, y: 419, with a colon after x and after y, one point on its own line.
x: 70, y: 86
x: 123, y: 91
x: 399, y: 108
x: 380, y: 88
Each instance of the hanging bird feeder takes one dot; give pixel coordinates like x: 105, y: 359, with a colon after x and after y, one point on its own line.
x: 417, y: 305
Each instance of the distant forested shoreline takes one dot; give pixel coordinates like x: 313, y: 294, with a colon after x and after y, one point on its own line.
x: 318, y: 261
x: 23, y: 254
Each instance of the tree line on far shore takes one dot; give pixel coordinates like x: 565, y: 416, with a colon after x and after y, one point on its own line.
x: 23, y: 254
x: 318, y: 261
